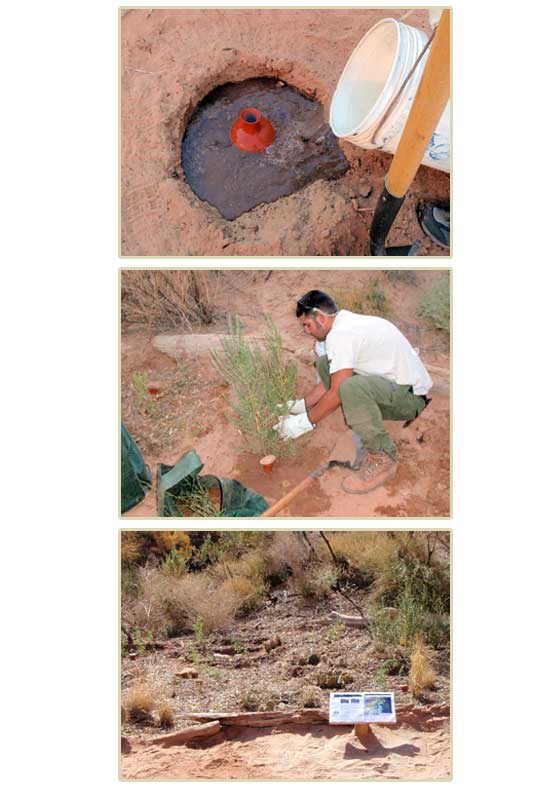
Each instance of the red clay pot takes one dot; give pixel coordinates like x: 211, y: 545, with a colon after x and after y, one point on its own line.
x: 251, y: 132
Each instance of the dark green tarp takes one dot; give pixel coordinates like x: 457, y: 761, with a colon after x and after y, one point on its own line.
x: 135, y: 476
x: 177, y: 480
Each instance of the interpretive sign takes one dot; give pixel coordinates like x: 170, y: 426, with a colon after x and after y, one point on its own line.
x: 353, y: 707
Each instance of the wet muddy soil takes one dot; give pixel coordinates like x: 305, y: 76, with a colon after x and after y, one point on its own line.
x: 235, y: 181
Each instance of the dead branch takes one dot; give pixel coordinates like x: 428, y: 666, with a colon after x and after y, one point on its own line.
x: 264, y: 719
x: 332, y: 553
x: 188, y: 734
x: 359, y: 622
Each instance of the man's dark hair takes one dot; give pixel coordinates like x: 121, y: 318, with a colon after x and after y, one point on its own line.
x: 315, y: 299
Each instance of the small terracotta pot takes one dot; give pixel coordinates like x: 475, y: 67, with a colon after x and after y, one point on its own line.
x: 268, y: 463
x: 251, y: 132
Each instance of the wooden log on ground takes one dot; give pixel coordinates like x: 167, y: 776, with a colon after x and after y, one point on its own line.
x: 350, y: 621
x: 188, y: 734
x: 265, y: 719
x: 179, y: 346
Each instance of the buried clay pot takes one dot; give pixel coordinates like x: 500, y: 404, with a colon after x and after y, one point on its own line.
x: 267, y: 463
x: 252, y: 132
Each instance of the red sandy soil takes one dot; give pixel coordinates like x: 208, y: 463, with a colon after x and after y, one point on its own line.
x: 196, y: 418
x: 171, y: 59
x: 406, y: 751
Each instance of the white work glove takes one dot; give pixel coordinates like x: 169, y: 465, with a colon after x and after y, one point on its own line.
x: 292, y: 427
x: 294, y: 406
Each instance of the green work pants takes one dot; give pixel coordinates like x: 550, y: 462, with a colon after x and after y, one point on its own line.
x: 367, y: 400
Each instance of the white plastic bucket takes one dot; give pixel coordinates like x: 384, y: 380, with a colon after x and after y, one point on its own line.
x: 369, y: 83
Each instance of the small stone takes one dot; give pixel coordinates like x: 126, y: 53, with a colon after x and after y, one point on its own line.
x: 273, y: 643
x: 188, y: 673
x: 365, y: 189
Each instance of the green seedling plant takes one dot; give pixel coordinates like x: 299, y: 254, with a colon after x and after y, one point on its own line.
x: 199, y: 630
x: 145, y: 402
x: 195, y: 658
x: 335, y: 631
x: 142, y: 639
x: 380, y: 677
x: 260, y: 383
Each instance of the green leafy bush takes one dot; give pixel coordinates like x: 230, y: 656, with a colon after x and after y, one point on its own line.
x: 260, y: 382
x: 434, y: 305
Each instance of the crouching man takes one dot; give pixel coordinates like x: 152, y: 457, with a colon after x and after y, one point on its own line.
x: 372, y: 372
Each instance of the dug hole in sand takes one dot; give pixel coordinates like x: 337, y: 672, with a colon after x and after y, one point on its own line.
x: 172, y: 59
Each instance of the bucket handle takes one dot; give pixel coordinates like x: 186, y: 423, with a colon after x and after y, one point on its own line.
x: 402, y: 88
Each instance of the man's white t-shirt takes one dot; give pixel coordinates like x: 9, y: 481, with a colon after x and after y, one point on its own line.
x: 373, y: 346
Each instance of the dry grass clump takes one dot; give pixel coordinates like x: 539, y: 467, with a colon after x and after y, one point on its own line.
x: 170, y: 603
x: 166, y: 717
x: 139, y: 703
x: 369, y: 552
x: 310, y: 698
x: 368, y: 299
x: 203, y: 598
x: 287, y: 550
x: 249, y: 701
x: 421, y: 673
x: 168, y: 299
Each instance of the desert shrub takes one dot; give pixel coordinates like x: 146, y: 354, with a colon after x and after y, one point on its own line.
x: 249, y: 592
x: 316, y: 582
x: 166, y: 717
x: 368, y: 299
x: 368, y: 552
x: 249, y: 701
x: 131, y: 582
x: 421, y: 673
x: 410, y: 598
x: 260, y: 382
x: 434, y: 305
x: 310, y: 698
x: 139, y: 704
x: 168, y: 299
x: 219, y: 545
x: 167, y: 541
x: 175, y: 563
x: 213, y: 602
x: 131, y: 546
x: 287, y: 553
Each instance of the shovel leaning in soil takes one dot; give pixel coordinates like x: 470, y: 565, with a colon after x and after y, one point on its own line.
x: 429, y: 103
x: 283, y: 502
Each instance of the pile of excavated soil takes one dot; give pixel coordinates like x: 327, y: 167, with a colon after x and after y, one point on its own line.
x: 194, y: 413
x: 172, y: 58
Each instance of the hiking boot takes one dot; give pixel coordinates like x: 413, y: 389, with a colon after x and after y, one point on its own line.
x: 377, y: 468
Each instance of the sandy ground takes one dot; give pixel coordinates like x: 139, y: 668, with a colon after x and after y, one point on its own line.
x: 407, y: 751
x: 172, y: 58
x: 422, y: 485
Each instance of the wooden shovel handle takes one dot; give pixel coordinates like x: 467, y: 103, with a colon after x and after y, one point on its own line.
x: 283, y: 502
